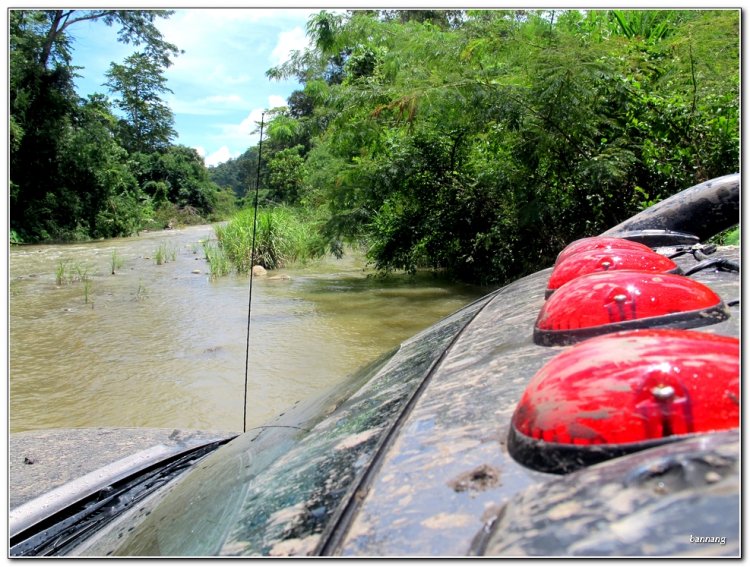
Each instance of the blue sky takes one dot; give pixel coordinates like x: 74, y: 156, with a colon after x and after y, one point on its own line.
x: 219, y: 83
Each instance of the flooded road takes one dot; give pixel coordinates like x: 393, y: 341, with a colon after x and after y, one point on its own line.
x: 160, y: 346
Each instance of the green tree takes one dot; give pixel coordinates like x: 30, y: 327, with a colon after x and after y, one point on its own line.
x: 227, y: 175
x: 482, y: 142
x: 287, y: 174
x: 136, y: 26
x: 149, y: 122
x: 68, y: 174
x: 177, y: 174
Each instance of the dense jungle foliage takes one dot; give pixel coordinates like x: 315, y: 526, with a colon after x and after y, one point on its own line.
x: 476, y: 143
x: 77, y: 171
x: 481, y: 142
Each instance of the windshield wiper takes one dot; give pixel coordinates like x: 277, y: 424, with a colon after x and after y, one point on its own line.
x: 67, y: 528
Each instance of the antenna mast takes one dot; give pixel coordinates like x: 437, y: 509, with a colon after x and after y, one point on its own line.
x: 252, y: 265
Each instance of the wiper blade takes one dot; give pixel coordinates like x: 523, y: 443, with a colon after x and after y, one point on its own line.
x: 67, y: 528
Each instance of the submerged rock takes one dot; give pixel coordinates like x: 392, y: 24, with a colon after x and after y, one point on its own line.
x: 259, y: 271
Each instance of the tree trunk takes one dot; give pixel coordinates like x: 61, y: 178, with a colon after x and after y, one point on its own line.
x: 51, y: 37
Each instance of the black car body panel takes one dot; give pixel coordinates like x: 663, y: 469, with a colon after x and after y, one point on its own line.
x: 59, y: 532
x: 459, y: 428
x: 45, y: 460
x: 679, y: 499
x: 692, y: 215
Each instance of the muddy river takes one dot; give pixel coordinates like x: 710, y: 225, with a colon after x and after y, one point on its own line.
x: 161, y: 346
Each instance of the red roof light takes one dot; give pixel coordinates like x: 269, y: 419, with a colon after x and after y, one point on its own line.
x: 607, y: 302
x: 608, y: 260
x: 617, y: 394
x: 599, y: 243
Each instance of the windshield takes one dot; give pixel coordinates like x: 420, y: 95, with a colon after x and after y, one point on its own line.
x: 275, y: 489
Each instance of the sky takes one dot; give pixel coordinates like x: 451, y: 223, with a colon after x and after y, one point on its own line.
x: 219, y: 84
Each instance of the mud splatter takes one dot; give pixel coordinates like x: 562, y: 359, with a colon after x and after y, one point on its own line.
x: 480, y: 479
x: 444, y: 521
x: 355, y: 440
x: 295, y: 547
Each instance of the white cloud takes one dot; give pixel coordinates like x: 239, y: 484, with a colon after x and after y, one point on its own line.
x: 211, y: 32
x: 201, y: 151
x: 276, y: 100
x: 242, y: 131
x: 219, y: 156
x: 294, y: 40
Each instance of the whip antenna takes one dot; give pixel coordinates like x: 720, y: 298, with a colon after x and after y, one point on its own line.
x: 252, y: 265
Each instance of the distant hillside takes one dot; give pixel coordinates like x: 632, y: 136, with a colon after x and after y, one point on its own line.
x: 236, y: 174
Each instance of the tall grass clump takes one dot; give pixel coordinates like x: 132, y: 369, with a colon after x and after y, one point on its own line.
x: 218, y: 263
x: 160, y: 254
x: 68, y: 272
x: 285, y: 236
x: 87, y: 290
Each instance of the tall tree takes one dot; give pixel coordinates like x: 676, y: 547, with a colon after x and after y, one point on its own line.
x: 137, y: 26
x: 69, y: 178
x: 149, y: 121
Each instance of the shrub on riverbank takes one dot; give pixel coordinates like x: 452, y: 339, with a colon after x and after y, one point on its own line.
x: 169, y: 213
x: 284, y: 236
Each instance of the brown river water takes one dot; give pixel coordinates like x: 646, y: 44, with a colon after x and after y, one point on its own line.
x: 176, y: 358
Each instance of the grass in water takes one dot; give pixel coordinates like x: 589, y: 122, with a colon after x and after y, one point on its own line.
x: 160, y: 254
x: 142, y: 292
x: 68, y: 272
x: 116, y: 262
x: 62, y: 273
x: 87, y: 291
x: 285, y: 236
x: 85, y: 275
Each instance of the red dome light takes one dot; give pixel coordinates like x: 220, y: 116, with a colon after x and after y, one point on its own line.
x: 593, y: 243
x: 608, y: 260
x: 621, y: 393
x: 607, y: 302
